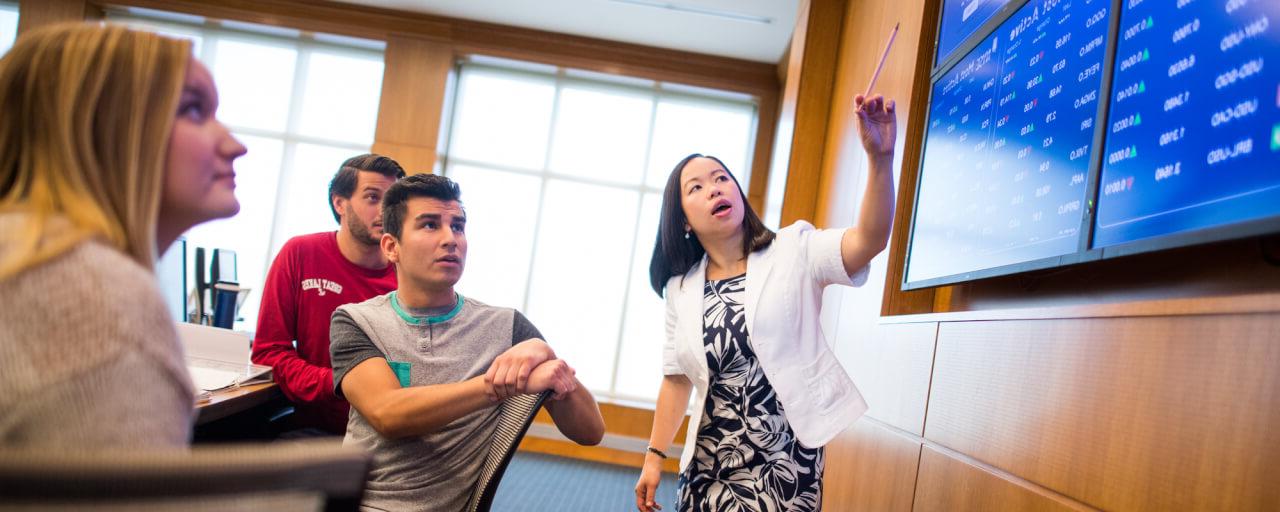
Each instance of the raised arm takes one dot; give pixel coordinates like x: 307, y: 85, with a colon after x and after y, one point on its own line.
x: 878, y: 128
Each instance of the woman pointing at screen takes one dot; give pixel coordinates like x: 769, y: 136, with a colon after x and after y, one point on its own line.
x: 742, y: 330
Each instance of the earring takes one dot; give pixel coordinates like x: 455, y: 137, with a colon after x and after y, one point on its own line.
x: 686, y: 235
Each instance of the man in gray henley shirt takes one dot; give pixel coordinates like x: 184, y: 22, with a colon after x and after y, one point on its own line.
x: 425, y: 368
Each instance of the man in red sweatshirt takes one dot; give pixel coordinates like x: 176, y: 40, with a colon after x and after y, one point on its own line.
x: 313, y: 275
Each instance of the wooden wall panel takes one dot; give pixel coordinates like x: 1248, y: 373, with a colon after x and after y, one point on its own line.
x: 881, y: 475
x: 890, y: 364
x: 896, y: 301
x: 1234, y: 268
x: 842, y: 177
x: 844, y: 164
x: 414, y: 158
x: 413, y: 94
x: 949, y: 484
x: 1134, y: 384
x: 38, y: 13
x: 818, y: 40
x: 1152, y: 413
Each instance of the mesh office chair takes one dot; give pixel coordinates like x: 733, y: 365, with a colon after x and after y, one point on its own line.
x: 513, y: 421
x: 305, y: 475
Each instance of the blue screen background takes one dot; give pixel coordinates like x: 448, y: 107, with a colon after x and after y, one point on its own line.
x: 1193, y: 135
x: 1008, y: 147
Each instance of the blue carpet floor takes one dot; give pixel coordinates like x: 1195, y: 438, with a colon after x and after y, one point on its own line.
x: 536, y: 482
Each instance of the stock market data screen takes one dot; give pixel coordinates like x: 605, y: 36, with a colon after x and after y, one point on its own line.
x: 1007, y: 151
x: 961, y: 18
x: 1193, y: 136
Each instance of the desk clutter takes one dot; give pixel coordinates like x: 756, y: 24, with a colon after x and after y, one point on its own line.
x: 219, y: 358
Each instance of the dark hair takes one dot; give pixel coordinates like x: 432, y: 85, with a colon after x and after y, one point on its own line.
x: 344, y: 183
x: 673, y: 254
x: 417, y: 185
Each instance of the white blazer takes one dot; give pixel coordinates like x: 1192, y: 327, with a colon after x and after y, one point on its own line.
x: 783, y: 298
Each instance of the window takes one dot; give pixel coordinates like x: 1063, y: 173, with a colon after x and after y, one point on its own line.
x: 8, y: 25
x: 302, y: 103
x: 562, y: 174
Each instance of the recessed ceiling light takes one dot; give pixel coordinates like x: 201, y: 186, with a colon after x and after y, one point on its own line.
x: 736, y: 16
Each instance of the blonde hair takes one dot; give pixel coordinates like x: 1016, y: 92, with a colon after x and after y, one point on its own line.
x: 88, y: 111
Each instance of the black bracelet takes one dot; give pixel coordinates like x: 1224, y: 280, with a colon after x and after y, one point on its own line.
x: 657, y: 452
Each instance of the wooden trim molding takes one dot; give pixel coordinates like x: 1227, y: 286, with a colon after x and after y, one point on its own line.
x: 766, y: 127
x: 896, y: 301
x: 871, y: 468
x: 619, y: 420
x: 419, y: 46
x: 1230, y: 304
x: 950, y: 481
x: 818, y: 35
x: 38, y: 13
x: 756, y: 78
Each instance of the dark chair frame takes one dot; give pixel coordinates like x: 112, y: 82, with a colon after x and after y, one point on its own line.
x: 514, y: 418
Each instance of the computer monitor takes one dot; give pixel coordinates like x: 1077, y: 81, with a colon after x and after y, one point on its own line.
x: 1193, y: 140
x: 1004, y: 179
x: 960, y: 19
x: 171, y: 273
x: 223, y: 267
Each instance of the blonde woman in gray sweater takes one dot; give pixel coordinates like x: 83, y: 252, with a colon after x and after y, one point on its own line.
x: 109, y: 150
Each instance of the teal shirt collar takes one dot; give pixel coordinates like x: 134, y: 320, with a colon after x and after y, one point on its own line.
x: 428, y: 320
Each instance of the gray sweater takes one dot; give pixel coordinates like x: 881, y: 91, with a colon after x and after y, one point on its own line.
x: 89, y: 356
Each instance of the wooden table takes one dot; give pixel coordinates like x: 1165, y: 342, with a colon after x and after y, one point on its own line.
x: 228, y: 402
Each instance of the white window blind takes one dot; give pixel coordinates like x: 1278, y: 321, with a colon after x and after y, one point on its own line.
x: 302, y: 103
x: 562, y: 174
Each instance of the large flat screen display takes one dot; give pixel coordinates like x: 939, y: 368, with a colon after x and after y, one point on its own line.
x: 1193, y: 137
x: 960, y: 18
x: 1004, y: 180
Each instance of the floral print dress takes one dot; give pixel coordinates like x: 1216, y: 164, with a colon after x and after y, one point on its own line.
x: 747, y: 457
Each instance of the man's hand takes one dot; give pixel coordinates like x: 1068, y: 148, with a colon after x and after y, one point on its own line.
x: 555, y: 375
x: 509, y: 374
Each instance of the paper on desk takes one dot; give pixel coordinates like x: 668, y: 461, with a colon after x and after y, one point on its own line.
x: 209, y: 379
x: 218, y: 358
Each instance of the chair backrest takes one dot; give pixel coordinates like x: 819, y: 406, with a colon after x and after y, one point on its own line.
x: 514, y: 418
x: 301, y: 475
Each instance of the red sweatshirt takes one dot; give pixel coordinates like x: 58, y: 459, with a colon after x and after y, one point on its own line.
x: 308, y: 280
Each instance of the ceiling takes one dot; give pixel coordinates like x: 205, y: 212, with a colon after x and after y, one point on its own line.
x: 756, y: 30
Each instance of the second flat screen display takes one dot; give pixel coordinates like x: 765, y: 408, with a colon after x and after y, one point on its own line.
x: 1193, y: 139
x: 1009, y: 144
